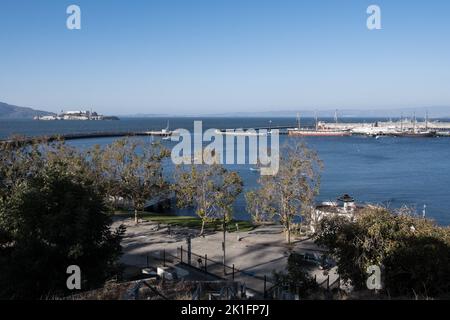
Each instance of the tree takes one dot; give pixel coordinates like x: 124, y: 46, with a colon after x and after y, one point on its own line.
x: 297, y: 279
x: 134, y: 171
x: 413, y: 253
x: 290, y: 193
x: 50, y: 218
x: 211, y: 189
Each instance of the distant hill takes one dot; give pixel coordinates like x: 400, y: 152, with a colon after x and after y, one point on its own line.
x: 420, y: 112
x: 8, y: 111
x: 433, y: 112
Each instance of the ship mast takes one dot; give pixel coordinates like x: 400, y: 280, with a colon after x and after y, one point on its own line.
x: 401, y: 122
x: 315, y: 114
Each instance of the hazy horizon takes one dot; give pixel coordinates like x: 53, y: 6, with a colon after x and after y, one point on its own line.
x: 204, y: 57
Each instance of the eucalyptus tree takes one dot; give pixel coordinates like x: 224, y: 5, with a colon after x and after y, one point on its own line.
x: 134, y: 171
x: 209, y: 188
x: 290, y: 193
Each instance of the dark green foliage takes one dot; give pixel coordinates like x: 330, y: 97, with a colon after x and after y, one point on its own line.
x: 50, y: 219
x: 413, y: 253
x: 297, y: 279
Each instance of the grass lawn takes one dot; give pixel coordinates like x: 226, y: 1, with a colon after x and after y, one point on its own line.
x: 189, y: 221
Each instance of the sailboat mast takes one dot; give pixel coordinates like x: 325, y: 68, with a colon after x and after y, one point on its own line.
x: 401, y: 122
x: 315, y: 114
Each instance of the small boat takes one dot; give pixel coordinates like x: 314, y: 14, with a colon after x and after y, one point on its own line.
x: 255, y: 169
x: 163, y: 132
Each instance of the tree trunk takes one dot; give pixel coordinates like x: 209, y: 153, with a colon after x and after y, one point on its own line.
x: 223, y: 245
x: 136, y: 220
x: 203, y: 227
x: 288, y: 233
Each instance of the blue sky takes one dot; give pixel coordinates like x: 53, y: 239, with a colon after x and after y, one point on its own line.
x: 215, y: 56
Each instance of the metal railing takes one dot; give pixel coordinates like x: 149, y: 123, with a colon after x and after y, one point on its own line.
x: 248, y: 280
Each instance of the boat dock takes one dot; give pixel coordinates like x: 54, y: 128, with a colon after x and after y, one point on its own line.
x: 401, y: 128
x: 404, y: 127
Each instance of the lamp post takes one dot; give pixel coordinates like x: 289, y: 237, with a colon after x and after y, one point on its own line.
x: 224, y: 239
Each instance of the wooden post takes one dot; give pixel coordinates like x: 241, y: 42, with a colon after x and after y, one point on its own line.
x: 189, y: 250
x: 206, y: 262
x: 328, y: 283
x: 233, y: 272
x: 265, y: 286
x: 164, y: 257
x: 181, y: 254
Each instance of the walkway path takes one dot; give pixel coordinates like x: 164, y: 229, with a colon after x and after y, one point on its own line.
x: 258, y: 253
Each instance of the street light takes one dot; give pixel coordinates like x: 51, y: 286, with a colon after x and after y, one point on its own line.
x: 224, y: 239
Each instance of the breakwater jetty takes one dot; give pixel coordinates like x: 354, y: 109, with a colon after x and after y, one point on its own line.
x: 89, y: 135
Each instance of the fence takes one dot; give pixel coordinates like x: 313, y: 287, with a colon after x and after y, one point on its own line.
x: 259, y: 285
x: 336, y: 284
x: 288, y: 291
x: 251, y: 281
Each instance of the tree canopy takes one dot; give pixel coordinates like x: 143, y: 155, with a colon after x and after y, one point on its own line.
x: 413, y: 253
x: 290, y: 193
x: 133, y: 170
x: 52, y: 215
x: 210, y: 189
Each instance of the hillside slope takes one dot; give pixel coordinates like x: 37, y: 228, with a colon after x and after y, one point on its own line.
x: 8, y: 111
